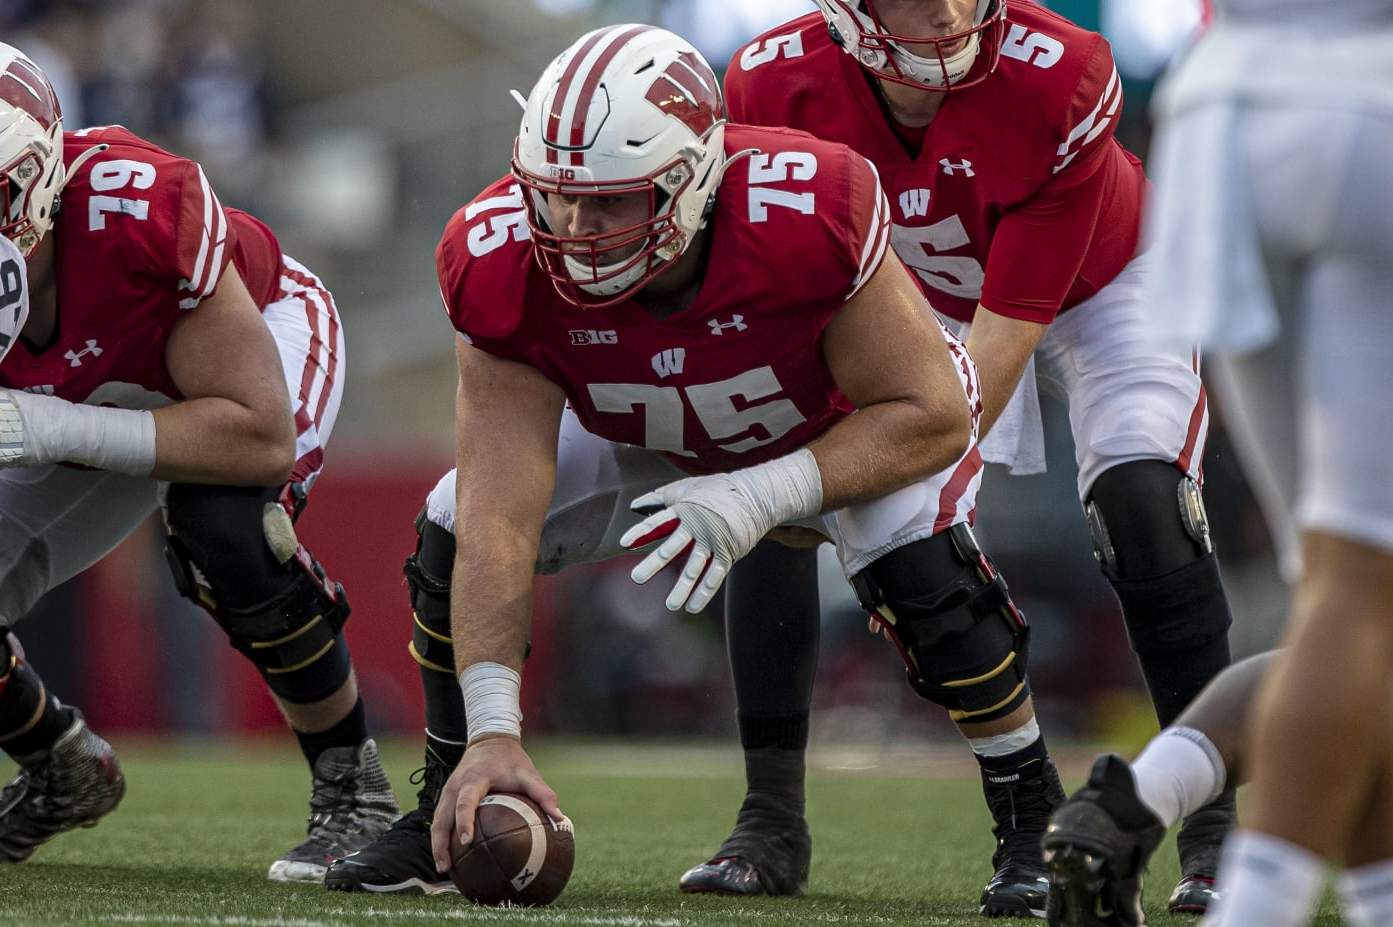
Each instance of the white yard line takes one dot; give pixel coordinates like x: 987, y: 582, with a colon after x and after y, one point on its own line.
x: 514, y: 915
x: 231, y: 920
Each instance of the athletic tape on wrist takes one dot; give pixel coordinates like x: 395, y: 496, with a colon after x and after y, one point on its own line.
x: 788, y: 487
x: 492, y: 700
x: 121, y: 440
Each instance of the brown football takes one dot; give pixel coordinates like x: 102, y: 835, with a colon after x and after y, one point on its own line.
x: 518, y: 855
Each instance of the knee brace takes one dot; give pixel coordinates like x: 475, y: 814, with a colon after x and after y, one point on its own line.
x: 234, y: 552
x: 1151, y: 537
x: 428, y: 579
x: 949, y: 614
x: 1146, y: 518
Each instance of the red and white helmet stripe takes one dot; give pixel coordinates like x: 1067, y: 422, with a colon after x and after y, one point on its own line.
x: 566, y: 124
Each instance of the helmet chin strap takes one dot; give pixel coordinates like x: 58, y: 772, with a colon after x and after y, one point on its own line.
x: 80, y: 160
x: 952, y: 69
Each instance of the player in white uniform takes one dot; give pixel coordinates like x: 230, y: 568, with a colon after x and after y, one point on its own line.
x: 1274, y: 173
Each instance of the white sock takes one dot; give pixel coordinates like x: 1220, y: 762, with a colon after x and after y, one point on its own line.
x: 1008, y: 743
x: 1366, y: 895
x: 1265, y: 881
x: 1178, y: 773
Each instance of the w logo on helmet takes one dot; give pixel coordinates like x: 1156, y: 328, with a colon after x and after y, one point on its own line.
x: 688, y: 92
x: 23, y: 86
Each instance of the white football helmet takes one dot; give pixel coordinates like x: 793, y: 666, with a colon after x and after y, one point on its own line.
x: 31, y: 150
x: 626, y: 109
x: 858, y: 30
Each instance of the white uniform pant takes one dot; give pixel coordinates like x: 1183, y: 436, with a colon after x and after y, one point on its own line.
x: 596, y: 480
x: 56, y: 521
x: 1274, y: 221
x: 1129, y: 398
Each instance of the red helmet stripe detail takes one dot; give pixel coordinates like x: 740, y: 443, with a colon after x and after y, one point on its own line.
x: 592, y: 81
x: 23, y: 85
x: 685, y: 94
x: 552, y: 135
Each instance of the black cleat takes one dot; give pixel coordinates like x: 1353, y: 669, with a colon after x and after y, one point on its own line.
x: 768, y: 853
x: 1020, y: 808
x: 1200, y: 839
x: 72, y: 784
x: 400, y: 861
x: 351, y: 805
x: 1097, y: 847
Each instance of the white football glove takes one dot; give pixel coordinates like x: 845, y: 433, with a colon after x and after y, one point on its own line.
x: 720, y: 518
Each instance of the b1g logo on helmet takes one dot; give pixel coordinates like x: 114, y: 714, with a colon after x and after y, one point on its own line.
x: 686, y: 92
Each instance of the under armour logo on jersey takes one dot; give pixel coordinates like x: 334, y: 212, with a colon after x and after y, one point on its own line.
x: 964, y: 165
x: 591, y: 336
x: 75, y: 357
x: 736, y: 322
x: 914, y: 203
x: 669, y: 362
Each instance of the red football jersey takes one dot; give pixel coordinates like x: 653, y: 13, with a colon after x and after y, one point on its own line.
x: 1019, y: 197
x: 140, y: 239
x: 737, y: 377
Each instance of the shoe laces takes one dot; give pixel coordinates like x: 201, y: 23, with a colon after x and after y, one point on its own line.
x: 431, y: 778
x: 1021, y: 811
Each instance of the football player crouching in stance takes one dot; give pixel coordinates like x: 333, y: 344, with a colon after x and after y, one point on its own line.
x: 713, y: 302
x: 992, y: 126
x: 163, y: 355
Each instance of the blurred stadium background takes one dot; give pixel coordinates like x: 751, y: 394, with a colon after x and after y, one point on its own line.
x: 355, y: 128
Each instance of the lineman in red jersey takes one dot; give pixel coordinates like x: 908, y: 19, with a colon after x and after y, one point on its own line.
x: 712, y: 301
x: 152, y: 373
x: 991, y: 124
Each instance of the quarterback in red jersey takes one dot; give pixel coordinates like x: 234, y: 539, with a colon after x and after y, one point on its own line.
x: 713, y: 302
x: 172, y: 359
x: 991, y: 123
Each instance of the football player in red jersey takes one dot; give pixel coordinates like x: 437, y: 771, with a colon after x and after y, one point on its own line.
x: 713, y: 301
x: 991, y: 123
x: 172, y: 359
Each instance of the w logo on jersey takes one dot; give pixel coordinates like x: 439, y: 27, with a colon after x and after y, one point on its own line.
x: 914, y: 203
x: 668, y: 363
x: 687, y: 92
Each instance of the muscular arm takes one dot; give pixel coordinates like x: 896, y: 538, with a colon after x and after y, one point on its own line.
x: 507, y: 417
x: 1001, y: 346
x: 888, y: 356
x: 234, y: 426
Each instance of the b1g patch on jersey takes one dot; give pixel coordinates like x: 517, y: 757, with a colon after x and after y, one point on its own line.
x: 14, y: 295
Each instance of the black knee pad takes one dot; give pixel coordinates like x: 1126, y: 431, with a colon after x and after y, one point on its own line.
x: 1146, y: 518
x: 1151, y: 537
x: 428, y: 579
x: 964, y: 643
x: 233, y: 551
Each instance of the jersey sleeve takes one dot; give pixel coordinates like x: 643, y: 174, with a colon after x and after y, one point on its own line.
x: 1040, y: 244
x: 203, y: 242
x: 869, y: 213
x: 14, y: 294
x: 482, y: 301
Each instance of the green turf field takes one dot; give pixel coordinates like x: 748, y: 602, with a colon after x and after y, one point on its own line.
x: 191, y: 843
